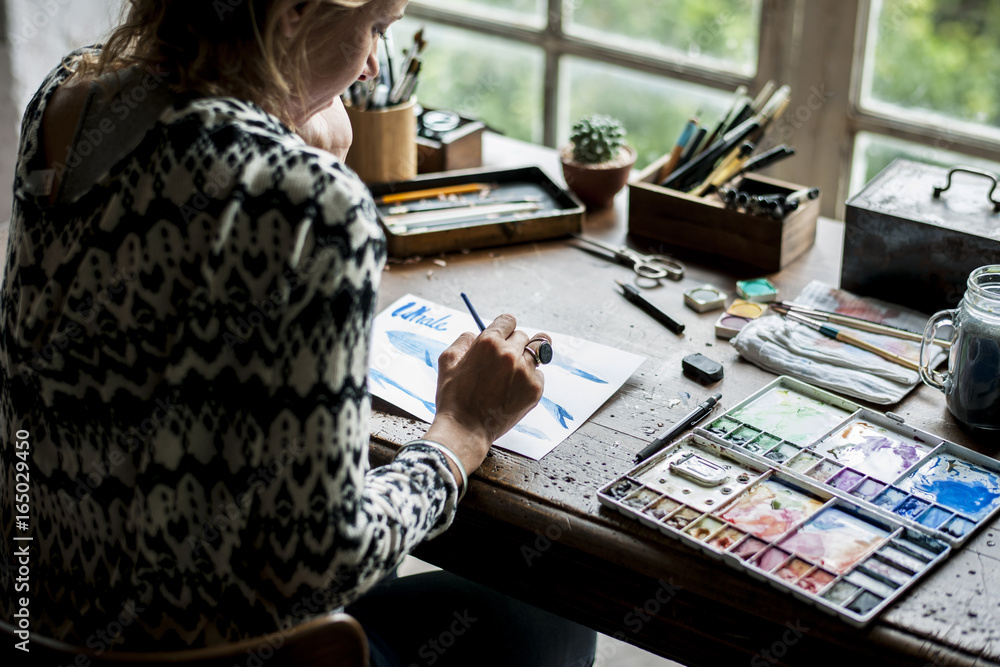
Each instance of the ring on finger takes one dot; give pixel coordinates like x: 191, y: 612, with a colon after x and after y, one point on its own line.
x: 534, y: 356
x: 544, y: 353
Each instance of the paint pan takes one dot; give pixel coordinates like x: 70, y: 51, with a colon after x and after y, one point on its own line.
x: 825, y: 470
x: 641, y: 498
x: 704, y: 528
x: 758, y: 290
x: 816, y: 581
x: 661, y: 509
x: 726, y: 538
x: 771, y: 559
x: 782, y: 452
x: 802, y: 461
x: 681, y: 518
x: 736, y: 317
x: 794, y: 569
x: 705, y: 298
x: 868, y: 489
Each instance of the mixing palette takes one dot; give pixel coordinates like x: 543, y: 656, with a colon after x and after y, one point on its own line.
x: 840, y: 505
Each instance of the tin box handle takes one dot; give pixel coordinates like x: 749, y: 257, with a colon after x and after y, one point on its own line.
x: 938, y: 189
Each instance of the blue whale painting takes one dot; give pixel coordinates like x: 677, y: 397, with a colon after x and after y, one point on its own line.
x: 427, y: 350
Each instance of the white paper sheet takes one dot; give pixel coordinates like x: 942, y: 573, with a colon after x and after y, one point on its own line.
x: 410, y: 334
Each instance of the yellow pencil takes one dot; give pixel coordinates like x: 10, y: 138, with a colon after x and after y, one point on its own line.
x: 465, y: 188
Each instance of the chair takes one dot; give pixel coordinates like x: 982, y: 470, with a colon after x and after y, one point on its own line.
x: 334, y: 640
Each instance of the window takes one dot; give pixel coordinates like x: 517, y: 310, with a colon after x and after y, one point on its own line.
x: 871, y: 79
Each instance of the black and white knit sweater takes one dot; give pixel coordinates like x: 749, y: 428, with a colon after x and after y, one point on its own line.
x: 184, y: 343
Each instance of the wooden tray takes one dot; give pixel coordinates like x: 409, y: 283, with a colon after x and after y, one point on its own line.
x: 560, y: 213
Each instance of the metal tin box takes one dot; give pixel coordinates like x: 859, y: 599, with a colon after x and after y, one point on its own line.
x: 915, y: 233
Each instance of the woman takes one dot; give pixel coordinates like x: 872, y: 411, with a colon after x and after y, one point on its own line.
x: 186, y: 312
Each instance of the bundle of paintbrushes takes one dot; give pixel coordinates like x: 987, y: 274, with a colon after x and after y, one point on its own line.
x: 392, y: 86
x: 702, y: 161
x: 856, y: 346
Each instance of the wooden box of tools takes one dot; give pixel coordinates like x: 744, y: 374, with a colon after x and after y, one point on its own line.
x: 457, y: 145
x: 910, y: 239
x: 706, y: 225
x: 474, y: 208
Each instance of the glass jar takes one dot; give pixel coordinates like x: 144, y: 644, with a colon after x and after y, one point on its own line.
x: 971, y: 384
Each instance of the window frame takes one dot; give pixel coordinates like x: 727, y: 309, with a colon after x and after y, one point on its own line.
x: 818, y: 47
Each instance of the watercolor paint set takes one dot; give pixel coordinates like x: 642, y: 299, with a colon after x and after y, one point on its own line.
x: 840, y: 505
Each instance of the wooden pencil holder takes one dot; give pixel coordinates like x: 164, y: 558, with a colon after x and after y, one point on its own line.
x: 704, y: 224
x: 385, y: 143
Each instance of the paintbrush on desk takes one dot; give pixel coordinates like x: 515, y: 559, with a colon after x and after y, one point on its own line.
x: 837, y: 334
x: 853, y: 322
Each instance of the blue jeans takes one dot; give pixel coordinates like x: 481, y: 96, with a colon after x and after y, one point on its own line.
x: 437, y: 619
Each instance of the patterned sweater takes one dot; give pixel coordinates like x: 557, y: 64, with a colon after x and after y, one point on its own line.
x: 184, y: 340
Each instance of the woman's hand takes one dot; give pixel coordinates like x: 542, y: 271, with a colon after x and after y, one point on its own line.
x: 330, y: 130
x: 486, y: 384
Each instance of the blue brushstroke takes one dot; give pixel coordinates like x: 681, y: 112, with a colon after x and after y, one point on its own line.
x: 383, y: 380
x: 533, y: 432
x: 419, y: 347
x: 557, y: 411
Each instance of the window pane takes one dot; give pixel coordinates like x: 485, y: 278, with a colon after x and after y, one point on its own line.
x: 529, y: 13
x: 494, y: 80
x: 720, y: 34
x: 653, y: 109
x: 874, y: 152
x: 935, y: 61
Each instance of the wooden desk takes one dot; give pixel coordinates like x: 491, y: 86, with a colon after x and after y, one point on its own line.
x: 536, y: 530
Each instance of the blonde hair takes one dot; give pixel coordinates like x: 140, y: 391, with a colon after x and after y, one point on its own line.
x: 218, y: 48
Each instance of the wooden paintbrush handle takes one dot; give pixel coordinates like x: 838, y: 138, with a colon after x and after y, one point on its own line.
x: 885, y: 354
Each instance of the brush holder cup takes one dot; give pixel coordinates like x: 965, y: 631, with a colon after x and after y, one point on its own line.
x: 971, y: 384
x: 385, y: 143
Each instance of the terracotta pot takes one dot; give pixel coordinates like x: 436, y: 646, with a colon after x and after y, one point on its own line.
x: 597, y: 184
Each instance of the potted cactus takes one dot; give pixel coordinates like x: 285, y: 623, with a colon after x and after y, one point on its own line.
x: 597, y: 161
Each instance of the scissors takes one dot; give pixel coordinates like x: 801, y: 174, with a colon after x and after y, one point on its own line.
x: 652, y: 267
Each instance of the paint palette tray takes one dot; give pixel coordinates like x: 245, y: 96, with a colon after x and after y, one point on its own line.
x: 791, y: 533
x: 865, y: 457
x: 840, y: 505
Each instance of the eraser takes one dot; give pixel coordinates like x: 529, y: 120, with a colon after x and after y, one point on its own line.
x: 702, y: 368
x: 758, y: 290
x: 705, y: 298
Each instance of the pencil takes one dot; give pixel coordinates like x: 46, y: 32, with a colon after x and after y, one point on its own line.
x: 413, y: 195
x: 837, y: 334
x: 475, y: 315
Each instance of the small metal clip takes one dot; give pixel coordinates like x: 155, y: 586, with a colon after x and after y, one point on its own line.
x: 938, y: 189
x: 894, y: 417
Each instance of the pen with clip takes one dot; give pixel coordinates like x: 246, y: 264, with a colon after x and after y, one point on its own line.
x: 683, y: 424
x: 632, y: 294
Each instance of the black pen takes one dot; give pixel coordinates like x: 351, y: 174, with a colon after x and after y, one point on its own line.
x: 632, y: 294
x: 690, y: 420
